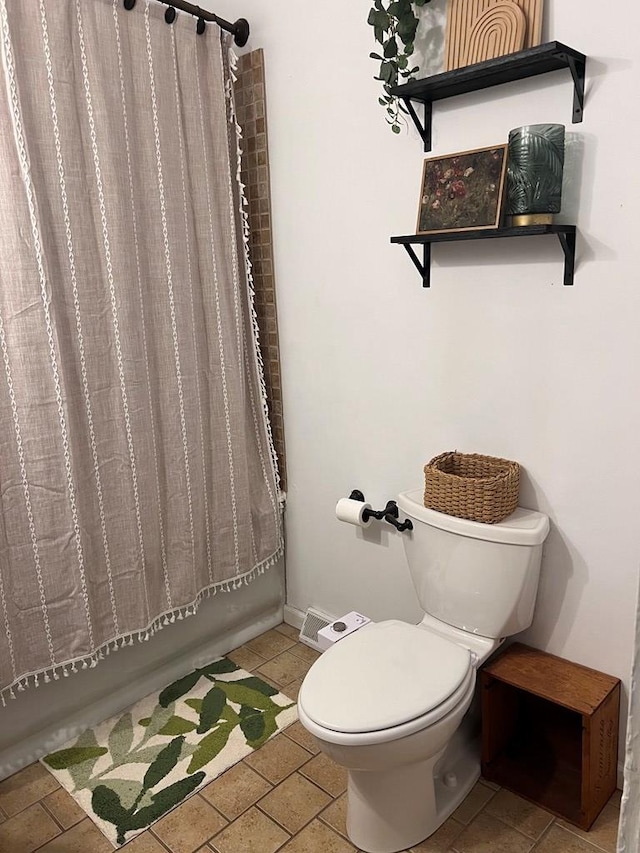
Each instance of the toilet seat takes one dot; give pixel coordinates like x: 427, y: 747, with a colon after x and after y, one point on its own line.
x: 385, y: 681
x: 460, y: 698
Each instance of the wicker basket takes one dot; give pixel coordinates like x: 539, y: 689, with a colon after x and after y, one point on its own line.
x: 467, y: 485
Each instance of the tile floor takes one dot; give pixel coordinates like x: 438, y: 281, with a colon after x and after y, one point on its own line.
x: 284, y: 797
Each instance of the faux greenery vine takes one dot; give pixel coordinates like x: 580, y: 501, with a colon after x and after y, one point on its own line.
x: 394, y: 26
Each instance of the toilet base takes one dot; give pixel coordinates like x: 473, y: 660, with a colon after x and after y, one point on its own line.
x: 391, y: 811
x: 458, y: 770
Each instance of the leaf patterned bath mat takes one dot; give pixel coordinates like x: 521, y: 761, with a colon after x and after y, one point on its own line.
x: 131, y: 770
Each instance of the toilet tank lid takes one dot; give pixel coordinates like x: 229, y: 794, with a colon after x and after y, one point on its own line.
x: 522, y: 527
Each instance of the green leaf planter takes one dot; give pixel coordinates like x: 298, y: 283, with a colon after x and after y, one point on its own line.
x: 534, y: 170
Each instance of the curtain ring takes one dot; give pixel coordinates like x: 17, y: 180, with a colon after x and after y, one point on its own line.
x: 170, y: 15
x: 201, y: 26
x: 129, y: 4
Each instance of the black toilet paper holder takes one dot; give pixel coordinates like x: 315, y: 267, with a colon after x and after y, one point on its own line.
x: 388, y: 514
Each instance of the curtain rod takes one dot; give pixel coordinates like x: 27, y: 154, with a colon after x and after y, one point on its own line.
x: 239, y: 30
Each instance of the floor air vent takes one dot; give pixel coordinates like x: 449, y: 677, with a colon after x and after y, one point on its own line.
x: 314, y: 621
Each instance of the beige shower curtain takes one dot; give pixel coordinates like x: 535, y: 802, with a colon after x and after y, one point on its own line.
x: 137, y: 471
x: 629, y: 832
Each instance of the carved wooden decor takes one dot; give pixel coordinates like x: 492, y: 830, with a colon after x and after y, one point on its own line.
x: 498, y: 31
x: 484, y: 29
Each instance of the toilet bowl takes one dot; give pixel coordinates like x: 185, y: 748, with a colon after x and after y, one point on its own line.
x: 390, y: 702
x: 385, y: 704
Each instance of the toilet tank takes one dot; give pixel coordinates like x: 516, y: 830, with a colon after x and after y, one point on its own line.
x: 482, y: 578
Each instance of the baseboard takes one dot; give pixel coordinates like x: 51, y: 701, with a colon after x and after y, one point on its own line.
x: 293, y: 616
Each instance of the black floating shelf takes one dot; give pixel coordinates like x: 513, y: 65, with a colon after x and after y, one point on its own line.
x: 505, y: 69
x: 566, y: 235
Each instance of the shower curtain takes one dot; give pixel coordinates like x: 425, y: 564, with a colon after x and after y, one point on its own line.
x: 137, y: 471
x: 629, y: 834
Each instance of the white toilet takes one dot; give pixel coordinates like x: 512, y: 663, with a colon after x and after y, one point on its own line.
x: 389, y: 701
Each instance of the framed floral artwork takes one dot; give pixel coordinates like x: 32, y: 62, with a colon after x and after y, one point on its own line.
x: 462, y: 192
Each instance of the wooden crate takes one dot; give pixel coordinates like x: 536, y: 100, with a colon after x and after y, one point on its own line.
x: 550, y: 731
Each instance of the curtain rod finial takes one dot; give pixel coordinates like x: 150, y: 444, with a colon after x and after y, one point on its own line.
x: 241, y: 32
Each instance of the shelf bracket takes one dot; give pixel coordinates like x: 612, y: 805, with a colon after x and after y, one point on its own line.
x: 423, y: 127
x: 423, y: 268
x: 568, y: 243
x: 578, y: 72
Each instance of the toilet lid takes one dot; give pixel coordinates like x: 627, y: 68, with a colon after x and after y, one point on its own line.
x: 383, y: 675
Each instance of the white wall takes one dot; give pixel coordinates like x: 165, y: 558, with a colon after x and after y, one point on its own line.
x: 498, y: 357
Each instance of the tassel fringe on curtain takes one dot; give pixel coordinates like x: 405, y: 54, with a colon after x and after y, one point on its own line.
x: 137, y: 469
